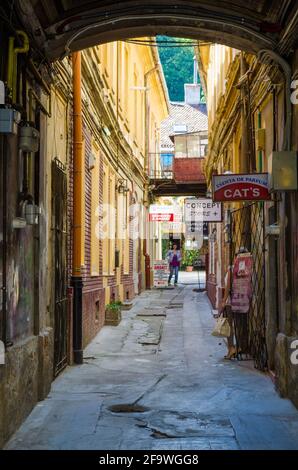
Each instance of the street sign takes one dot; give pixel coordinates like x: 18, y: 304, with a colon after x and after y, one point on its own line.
x: 202, y: 210
x: 194, y: 227
x: 160, y: 273
x: 161, y: 217
x: 240, y: 187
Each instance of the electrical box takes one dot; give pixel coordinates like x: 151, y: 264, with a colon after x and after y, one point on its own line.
x: 261, y: 139
x: 29, y: 138
x: 282, y: 169
x: 9, y: 120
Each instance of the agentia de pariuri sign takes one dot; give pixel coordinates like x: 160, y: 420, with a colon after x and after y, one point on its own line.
x: 240, y: 187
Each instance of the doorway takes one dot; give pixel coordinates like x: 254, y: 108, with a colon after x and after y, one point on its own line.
x: 59, y: 212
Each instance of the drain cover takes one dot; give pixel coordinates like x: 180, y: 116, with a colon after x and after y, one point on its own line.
x: 128, y: 408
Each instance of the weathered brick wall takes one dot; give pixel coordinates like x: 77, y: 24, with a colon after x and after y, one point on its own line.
x: 93, y: 290
x: 93, y: 313
x: 189, y: 169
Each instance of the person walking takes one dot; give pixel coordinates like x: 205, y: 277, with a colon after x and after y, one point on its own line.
x: 173, y: 257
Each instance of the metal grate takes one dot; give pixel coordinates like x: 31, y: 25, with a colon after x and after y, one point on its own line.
x: 59, y: 202
x: 247, y: 230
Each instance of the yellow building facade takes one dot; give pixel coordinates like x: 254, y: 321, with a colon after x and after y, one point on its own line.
x: 124, y: 98
x: 247, y: 122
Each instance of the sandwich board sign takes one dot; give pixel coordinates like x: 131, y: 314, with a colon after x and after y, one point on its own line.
x: 160, y: 273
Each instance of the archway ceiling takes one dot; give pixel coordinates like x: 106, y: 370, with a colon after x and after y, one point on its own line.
x: 61, y: 26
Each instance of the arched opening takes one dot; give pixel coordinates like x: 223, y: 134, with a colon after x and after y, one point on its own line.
x: 252, y: 27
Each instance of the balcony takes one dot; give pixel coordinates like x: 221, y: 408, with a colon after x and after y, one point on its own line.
x: 180, y: 172
x: 184, y: 177
x: 189, y: 170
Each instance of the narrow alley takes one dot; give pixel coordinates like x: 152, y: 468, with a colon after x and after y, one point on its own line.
x: 148, y: 228
x: 159, y: 381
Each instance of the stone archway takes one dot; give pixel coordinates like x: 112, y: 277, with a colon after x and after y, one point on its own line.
x: 63, y: 27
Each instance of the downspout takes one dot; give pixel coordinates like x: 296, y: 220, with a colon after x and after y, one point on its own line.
x: 146, y: 77
x: 13, y: 62
x: 266, y: 56
x: 18, y: 50
x: 260, y: 151
x: 244, y: 157
x: 10, y: 65
x: 3, y: 323
x: 146, y: 169
x: 77, y: 281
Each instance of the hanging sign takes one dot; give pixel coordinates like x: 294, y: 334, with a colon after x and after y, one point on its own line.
x: 161, y: 217
x: 160, y: 273
x: 242, y: 283
x: 202, y: 210
x: 164, y: 213
x: 196, y: 227
x: 240, y: 187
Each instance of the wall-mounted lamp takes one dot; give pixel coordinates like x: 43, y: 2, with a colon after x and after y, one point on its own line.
x: 273, y: 230
x: 30, y: 213
x: 122, y: 186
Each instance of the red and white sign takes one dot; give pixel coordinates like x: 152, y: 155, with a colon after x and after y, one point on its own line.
x: 164, y: 213
x: 161, y: 217
x: 242, y: 283
x: 240, y: 187
x: 160, y: 273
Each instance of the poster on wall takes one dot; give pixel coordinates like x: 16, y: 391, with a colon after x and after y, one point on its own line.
x: 242, y: 283
x: 160, y: 273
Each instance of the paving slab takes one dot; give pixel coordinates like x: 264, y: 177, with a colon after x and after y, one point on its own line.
x: 190, y: 396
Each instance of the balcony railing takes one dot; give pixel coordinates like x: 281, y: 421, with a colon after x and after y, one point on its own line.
x: 181, y: 169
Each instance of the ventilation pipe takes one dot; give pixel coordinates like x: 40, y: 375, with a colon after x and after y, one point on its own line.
x: 266, y: 57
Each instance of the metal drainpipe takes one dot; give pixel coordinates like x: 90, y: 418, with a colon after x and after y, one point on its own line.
x: 146, y: 76
x: 18, y: 50
x: 266, y: 57
x: 4, y: 242
x: 260, y: 153
x: 146, y: 167
x: 244, y: 163
x: 77, y: 281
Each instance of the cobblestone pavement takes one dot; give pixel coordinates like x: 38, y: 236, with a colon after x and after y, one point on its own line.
x: 159, y: 381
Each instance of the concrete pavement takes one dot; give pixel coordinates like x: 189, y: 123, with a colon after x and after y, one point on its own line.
x: 159, y: 381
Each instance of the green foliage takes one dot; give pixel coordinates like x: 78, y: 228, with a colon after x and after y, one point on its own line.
x: 177, y: 63
x: 177, y: 66
x: 189, y: 256
x: 114, y: 305
x: 165, y: 247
